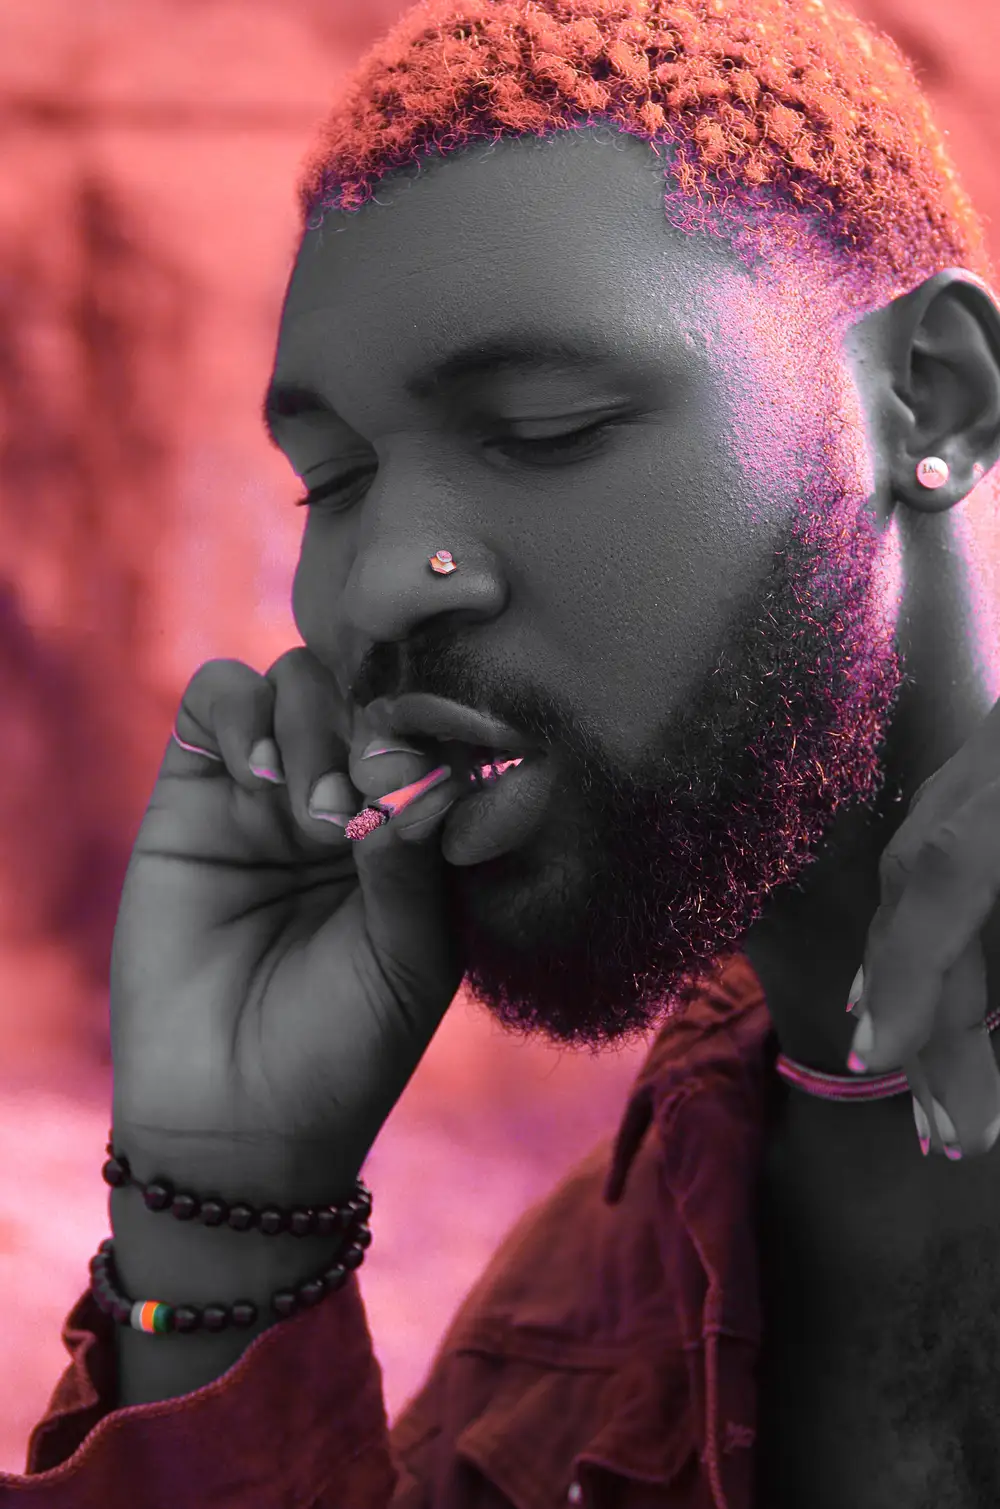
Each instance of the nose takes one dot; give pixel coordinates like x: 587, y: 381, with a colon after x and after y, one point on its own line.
x: 392, y: 589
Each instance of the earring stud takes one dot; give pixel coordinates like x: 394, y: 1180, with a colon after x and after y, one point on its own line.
x: 933, y: 472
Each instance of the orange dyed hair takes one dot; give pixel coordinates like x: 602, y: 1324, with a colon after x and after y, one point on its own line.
x: 788, y: 106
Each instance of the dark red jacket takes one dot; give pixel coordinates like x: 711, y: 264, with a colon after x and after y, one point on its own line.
x: 605, y: 1357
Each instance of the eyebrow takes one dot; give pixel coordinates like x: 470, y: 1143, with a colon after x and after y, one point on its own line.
x: 477, y: 359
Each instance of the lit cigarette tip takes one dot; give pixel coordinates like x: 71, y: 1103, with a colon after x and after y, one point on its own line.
x: 365, y: 822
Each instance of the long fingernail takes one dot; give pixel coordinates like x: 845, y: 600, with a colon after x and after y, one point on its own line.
x: 923, y: 1126
x: 195, y: 748
x: 329, y: 797
x: 857, y: 987
x: 380, y: 747
x: 265, y: 761
x: 864, y: 1041
x: 946, y: 1131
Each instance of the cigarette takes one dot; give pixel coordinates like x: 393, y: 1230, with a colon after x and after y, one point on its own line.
x: 394, y: 802
x: 387, y: 807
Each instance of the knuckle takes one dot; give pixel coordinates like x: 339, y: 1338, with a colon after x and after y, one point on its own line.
x: 310, y: 717
x: 922, y: 791
x: 298, y: 677
x: 213, y: 677
x: 939, y: 852
x: 287, y: 664
x: 894, y: 869
x: 934, y: 857
x: 215, y: 685
x: 227, y: 705
x: 287, y: 719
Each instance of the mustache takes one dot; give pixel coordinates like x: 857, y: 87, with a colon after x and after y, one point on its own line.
x: 440, y: 667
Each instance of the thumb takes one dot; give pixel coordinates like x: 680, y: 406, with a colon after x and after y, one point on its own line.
x: 403, y: 883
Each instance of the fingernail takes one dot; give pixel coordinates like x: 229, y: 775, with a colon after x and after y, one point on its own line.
x: 863, y: 1042
x: 380, y: 747
x: 330, y: 796
x: 923, y: 1126
x: 265, y: 761
x: 946, y: 1131
x: 195, y: 748
x: 857, y: 987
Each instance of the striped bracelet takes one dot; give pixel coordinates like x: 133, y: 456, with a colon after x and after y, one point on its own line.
x: 854, y: 1086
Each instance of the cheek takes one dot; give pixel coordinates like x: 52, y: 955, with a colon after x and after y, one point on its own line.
x: 792, y: 409
x: 630, y: 607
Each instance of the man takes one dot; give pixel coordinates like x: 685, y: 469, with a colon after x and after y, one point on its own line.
x: 674, y: 450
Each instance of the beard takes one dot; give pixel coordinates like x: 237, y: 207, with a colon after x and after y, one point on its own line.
x: 639, y: 881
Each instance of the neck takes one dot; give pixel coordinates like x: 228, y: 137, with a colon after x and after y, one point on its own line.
x: 808, y: 944
x: 872, y: 1256
x: 856, y: 1166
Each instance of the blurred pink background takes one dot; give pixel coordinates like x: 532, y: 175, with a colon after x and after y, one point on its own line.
x: 147, y: 227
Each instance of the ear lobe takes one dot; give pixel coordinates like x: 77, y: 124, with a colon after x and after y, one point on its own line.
x: 944, y: 351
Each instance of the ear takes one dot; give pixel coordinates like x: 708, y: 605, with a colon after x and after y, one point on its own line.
x: 943, y: 388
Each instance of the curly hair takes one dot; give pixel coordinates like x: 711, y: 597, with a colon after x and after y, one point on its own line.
x: 792, y: 108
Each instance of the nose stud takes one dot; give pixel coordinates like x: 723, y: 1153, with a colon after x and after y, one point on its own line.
x: 443, y: 562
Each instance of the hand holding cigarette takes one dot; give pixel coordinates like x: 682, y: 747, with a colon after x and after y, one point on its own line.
x: 273, y: 985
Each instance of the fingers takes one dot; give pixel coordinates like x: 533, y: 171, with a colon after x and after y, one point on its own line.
x: 396, y: 766
x: 292, y: 720
x: 925, y: 1000
x: 227, y: 707
x: 322, y: 754
x: 950, y: 888
x: 959, y: 1064
x: 969, y: 770
x: 312, y: 730
x: 295, y: 726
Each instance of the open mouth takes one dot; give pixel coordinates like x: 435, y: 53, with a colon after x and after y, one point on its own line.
x: 488, y: 765
x: 501, y: 809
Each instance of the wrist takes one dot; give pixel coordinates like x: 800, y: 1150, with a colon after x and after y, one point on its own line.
x: 184, y: 1263
x: 245, y: 1169
x: 187, y: 1263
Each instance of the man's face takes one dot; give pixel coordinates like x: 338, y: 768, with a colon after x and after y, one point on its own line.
x: 696, y: 615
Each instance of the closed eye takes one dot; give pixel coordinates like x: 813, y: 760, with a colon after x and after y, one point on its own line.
x: 331, y: 489
x: 572, y: 443
x: 546, y: 450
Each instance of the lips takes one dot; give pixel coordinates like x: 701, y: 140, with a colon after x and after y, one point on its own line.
x: 419, y: 715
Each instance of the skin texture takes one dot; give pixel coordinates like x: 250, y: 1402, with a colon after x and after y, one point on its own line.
x: 632, y: 608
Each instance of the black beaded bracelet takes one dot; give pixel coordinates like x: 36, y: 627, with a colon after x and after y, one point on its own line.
x: 300, y: 1220
x: 156, y: 1317
x: 349, y: 1220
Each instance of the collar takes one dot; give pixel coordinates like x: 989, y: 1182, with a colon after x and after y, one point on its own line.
x: 723, y: 1041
